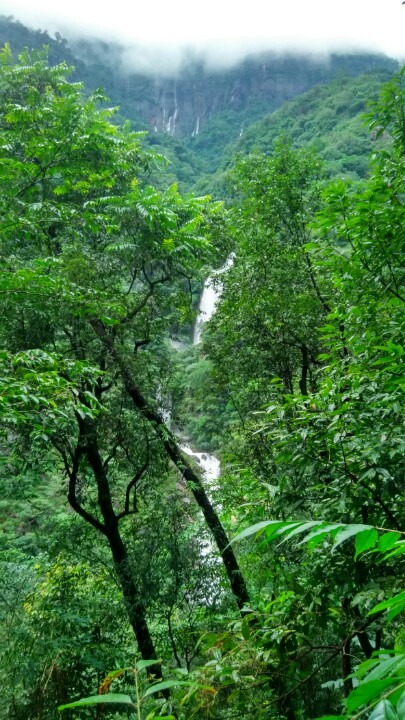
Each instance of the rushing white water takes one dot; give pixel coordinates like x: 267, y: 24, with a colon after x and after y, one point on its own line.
x: 197, y: 128
x: 206, y: 308
x: 212, y: 291
x: 169, y: 121
x: 164, y: 407
x: 208, y: 463
x: 211, y: 470
x: 210, y: 296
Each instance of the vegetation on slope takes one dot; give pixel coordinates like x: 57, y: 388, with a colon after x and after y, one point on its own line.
x: 301, y: 381
x: 236, y: 110
x: 330, y: 119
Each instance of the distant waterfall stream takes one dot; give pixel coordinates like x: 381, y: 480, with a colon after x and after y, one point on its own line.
x: 211, y: 293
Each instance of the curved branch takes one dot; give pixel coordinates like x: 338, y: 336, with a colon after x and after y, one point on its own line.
x: 72, y: 473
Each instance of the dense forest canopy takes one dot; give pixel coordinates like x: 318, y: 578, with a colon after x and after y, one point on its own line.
x: 130, y: 584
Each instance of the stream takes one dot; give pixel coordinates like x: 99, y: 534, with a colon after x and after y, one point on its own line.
x: 210, y: 295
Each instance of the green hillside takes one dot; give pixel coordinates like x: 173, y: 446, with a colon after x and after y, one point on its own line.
x: 329, y: 117
x: 139, y: 577
x: 201, y: 118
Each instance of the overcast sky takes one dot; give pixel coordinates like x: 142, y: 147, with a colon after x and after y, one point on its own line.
x: 224, y: 29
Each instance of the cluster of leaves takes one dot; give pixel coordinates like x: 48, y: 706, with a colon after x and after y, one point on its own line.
x: 89, y: 251
x: 302, y: 365
x: 328, y: 445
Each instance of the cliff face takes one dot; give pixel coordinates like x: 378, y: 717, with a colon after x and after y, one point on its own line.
x: 184, y: 105
x: 201, y: 109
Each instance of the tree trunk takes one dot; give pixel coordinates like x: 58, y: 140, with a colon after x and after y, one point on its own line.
x: 134, y: 605
x: 180, y: 460
x: 133, y: 601
x: 196, y: 486
x: 304, y: 370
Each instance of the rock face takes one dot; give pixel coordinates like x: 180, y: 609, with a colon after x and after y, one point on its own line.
x: 182, y: 106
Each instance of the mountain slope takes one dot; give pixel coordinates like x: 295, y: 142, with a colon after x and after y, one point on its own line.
x: 201, y: 117
x: 330, y: 117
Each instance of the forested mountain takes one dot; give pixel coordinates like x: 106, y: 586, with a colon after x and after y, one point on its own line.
x: 132, y: 583
x: 206, y: 110
x: 328, y: 118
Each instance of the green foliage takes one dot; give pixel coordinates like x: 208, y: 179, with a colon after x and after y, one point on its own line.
x: 380, y: 675
x: 299, y: 383
x: 84, y: 245
x: 256, y: 336
x: 329, y: 118
x: 332, y: 457
x: 105, y: 697
x: 114, y: 698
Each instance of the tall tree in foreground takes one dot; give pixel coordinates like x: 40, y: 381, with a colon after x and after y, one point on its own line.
x: 95, y: 270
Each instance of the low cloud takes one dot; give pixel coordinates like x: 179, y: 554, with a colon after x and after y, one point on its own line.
x: 158, y: 36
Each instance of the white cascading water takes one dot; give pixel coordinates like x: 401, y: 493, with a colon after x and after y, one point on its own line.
x: 209, y: 464
x: 211, y: 293
x: 209, y: 298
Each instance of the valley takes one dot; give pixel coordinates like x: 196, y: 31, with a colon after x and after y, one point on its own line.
x: 201, y: 384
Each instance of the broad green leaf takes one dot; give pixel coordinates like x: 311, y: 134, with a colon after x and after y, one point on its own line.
x: 366, y: 666
x: 302, y: 527
x: 365, y: 541
x: 258, y: 527
x: 113, y: 698
x: 401, y: 707
x: 116, y: 673
x: 348, y: 532
x: 383, y: 711
x: 167, y: 684
x: 245, y: 629
x: 141, y: 664
x: 396, y: 693
x: 396, y: 600
x: 388, y: 540
x: 385, y: 666
x: 284, y: 529
x: 396, y: 610
x: 324, y: 530
x: 397, y: 549
x: 368, y: 691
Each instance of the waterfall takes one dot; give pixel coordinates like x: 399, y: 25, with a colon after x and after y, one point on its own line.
x: 176, y: 109
x: 208, y: 463
x: 211, y: 293
x: 210, y: 296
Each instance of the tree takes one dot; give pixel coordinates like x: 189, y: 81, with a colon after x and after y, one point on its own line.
x: 329, y: 455
x: 96, y: 268
x: 337, y: 449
